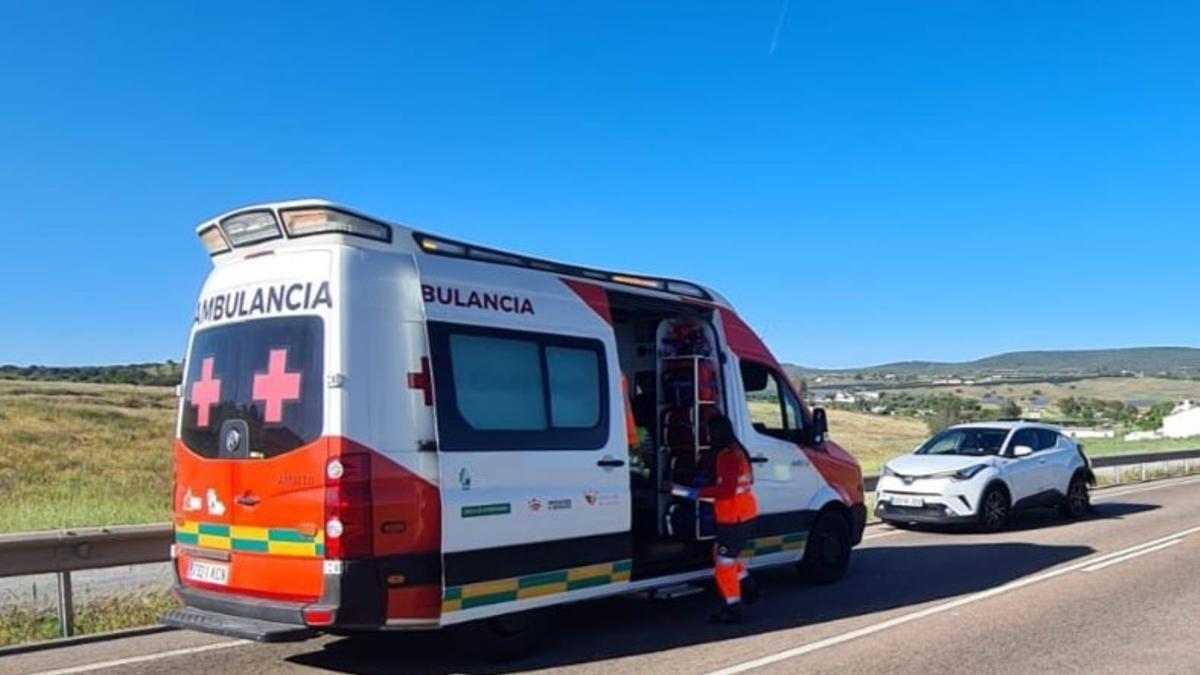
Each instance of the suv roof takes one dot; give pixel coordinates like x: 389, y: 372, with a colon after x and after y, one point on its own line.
x: 1005, y: 424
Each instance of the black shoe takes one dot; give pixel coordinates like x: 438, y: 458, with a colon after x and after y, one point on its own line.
x: 729, y: 614
x: 750, y: 591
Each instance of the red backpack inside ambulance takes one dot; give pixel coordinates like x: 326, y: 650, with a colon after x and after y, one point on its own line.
x: 384, y: 429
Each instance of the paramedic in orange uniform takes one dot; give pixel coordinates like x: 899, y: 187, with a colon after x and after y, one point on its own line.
x: 735, y: 509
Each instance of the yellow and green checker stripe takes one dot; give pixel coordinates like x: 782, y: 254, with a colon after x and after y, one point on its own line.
x: 776, y: 544
x: 457, y: 598
x: 246, y: 539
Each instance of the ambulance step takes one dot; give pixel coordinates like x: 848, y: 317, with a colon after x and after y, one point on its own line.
x: 190, y: 618
x: 676, y: 591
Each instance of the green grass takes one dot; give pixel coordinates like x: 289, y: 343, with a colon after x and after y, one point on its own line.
x: 77, y: 455
x: 1108, y: 446
x: 19, y: 625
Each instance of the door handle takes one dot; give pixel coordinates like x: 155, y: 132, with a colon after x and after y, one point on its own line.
x: 611, y: 463
x: 759, y: 459
x: 248, y: 500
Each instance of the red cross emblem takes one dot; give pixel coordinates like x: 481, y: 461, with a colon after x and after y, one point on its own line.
x: 276, y: 386
x: 422, y: 381
x: 205, y: 392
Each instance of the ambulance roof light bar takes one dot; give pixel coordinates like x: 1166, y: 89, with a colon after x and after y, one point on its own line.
x: 305, y: 221
x: 251, y: 227
x: 459, y: 250
x: 214, y: 242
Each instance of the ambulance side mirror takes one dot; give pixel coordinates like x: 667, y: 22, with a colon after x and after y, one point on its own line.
x: 816, y: 431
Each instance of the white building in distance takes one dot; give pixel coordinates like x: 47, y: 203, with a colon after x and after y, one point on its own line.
x: 1183, y: 422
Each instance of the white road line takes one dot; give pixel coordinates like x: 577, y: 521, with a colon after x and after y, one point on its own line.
x: 1131, y: 556
x: 142, y: 659
x: 938, y: 609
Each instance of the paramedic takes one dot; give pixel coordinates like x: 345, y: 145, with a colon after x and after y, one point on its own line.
x: 735, y: 509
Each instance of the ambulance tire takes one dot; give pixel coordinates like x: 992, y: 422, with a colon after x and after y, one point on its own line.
x: 509, y: 637
x: 827, y: 551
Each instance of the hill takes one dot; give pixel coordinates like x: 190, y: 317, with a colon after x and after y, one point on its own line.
x: 1175, y: 361
x: 159, y: 374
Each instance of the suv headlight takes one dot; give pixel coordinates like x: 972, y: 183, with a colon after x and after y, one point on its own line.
x: 969, y: 472
x: 887, y: 471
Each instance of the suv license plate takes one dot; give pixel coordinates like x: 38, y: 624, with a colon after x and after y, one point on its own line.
x: 208, y: 573
x: 905, y: 500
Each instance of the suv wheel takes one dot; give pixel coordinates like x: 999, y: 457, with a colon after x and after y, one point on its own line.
x: 993, y: 510
x: 1078, y: 501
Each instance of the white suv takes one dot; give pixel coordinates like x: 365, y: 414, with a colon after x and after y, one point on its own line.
x: 981, y: 473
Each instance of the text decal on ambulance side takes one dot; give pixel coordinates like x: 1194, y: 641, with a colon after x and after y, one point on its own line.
x: 496, y: 302
x: 264, y: 300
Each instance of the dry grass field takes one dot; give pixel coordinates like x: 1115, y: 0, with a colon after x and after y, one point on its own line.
x: 1129, y: 389
x: 78, y: 455
x: 74, y: 455
x: 872, y: 439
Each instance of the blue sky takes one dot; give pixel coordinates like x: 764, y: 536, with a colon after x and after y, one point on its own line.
x: 893, y: 180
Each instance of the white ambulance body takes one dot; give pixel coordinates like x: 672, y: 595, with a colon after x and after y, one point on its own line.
x: 380, y: 428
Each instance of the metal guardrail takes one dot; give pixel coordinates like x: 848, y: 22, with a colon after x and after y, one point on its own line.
x: 63, y: 552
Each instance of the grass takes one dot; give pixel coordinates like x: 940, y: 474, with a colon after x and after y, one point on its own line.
x: 1140, y: 389
x: 1112, y: 446
x: 19, y: 625
x: 872, y: 439
x: 77, y: 455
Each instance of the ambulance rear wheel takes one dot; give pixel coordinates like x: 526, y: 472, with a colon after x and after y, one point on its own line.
x: 507, y: 638
x: 827, y: 550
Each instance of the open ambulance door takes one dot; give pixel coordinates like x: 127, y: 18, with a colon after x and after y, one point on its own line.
x: 534, y: 469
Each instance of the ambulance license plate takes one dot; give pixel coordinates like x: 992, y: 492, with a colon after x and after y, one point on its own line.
x: 208, y: 573
x: 905, y: 500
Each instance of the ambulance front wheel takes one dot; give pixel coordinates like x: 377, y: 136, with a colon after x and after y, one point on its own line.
x: 508, y: 637
x: 827, y: 549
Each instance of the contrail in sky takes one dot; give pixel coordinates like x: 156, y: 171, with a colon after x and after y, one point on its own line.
x: 779, y: 26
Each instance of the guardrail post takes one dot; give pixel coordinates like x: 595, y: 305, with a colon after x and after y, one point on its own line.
x: 1143, y: 465
x: 66, y: 605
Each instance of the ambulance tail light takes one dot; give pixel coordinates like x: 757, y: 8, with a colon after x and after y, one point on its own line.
x: 318, y: 616
x: 348, y: 505
x: 306, y: 221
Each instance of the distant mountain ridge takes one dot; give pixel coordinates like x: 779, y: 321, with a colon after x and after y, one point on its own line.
x: 1149, y: 360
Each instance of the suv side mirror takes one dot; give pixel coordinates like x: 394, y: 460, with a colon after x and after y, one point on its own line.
x: 1022, y: 451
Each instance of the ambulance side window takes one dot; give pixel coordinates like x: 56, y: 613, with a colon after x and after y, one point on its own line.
x: 514, y: 390
x: 774, y: 410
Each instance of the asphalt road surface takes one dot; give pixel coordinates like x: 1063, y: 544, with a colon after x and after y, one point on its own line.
x: 1115, y: 593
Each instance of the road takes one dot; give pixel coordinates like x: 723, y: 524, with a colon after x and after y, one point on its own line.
x: 1115, y: 593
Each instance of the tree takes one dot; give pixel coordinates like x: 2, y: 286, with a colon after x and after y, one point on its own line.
x: 1010, y: 409
x: 947, y: 411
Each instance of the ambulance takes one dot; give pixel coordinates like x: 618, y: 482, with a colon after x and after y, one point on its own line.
x: 384, y: 429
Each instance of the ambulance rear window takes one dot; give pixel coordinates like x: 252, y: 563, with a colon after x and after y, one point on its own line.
x: 263, y: 377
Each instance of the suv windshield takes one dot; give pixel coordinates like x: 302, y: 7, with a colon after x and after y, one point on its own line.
x: 972, y: 441
x: 263, y: 377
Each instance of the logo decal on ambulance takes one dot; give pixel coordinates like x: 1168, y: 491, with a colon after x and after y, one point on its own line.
x: 215, y: 507
x: 191, y: 502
